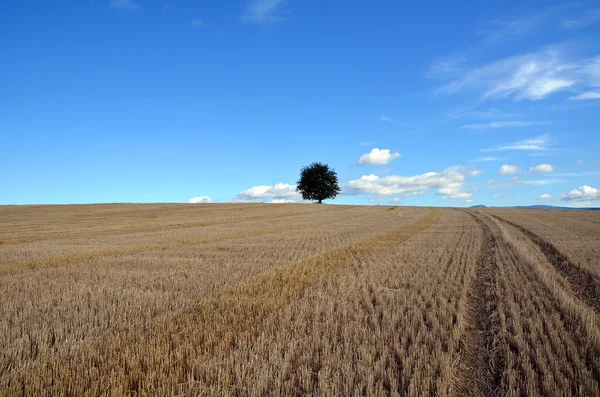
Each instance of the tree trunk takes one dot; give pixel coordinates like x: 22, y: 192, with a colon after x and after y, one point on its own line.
x: 320, y: 201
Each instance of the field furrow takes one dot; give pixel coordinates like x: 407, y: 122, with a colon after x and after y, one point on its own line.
x: 576, y: 234
x: 549, y: 344
x: 479, y: 372
x: 584, y: 284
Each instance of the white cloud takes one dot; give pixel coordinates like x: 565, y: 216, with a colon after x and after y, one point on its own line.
x: 378, y: 157
x: 520, y: 181
x: 485, y: 159
x: 497, y: 195
x: 532, y: 76
x: 544, y: 197
x: 502, y: 30
x: 124, y: 4
x: 197, y: 23
x: 540, y: 143
x: 448, y: 183
x: 592, y: 72
x: 475, y: 172
x: 582, y: 194
x: 377, y: 199
x: 282, y: 201
x: 449, y: 64
x: 580, y: 162
x: 588, y: 18
x: 513, y: 181
x: 201, y: 200
x: 502, y: 124
x: 387, y: 119
x: 509, y: 170
x: 586, y: 95
x: 383, y: 171
x: 579, y: 174
x: 542, y: 182
x: 527, y: 22
x: 543, y: 87
x: 542, y: 168
x: 265, y: 11
x: 491, y: 113
x: 281, y: 191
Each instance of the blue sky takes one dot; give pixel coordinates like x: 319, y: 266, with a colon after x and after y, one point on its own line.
x: 496, y: 103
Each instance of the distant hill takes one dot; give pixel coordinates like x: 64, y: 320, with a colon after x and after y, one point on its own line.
x: 543, y: 207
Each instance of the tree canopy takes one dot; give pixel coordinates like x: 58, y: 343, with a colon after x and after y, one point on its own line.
x: 318, y: 182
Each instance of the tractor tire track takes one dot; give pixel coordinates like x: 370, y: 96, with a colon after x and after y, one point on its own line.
x: 479, y: 371
x: 585, y: 285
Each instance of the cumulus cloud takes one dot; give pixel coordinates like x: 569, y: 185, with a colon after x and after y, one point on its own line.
x: 475, y: 172
x: 201, y: 200
x: 509, y: 170
x: 281, y: 191
x: 265, y: 11
x: 582, y: 194
x: 448, y: 183
x: 544, y: 197
x: 502, y: 124
x: 124, y: 4
x: 542, y: 168
x: 378, y: 157
x: 531, y: 76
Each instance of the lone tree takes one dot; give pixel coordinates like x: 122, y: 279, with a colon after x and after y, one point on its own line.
x: 318, y: 182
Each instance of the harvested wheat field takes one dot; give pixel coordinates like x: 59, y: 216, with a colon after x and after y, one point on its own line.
x: 289, y: 299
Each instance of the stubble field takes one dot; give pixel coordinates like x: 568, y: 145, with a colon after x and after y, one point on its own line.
x: 290, y: 299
